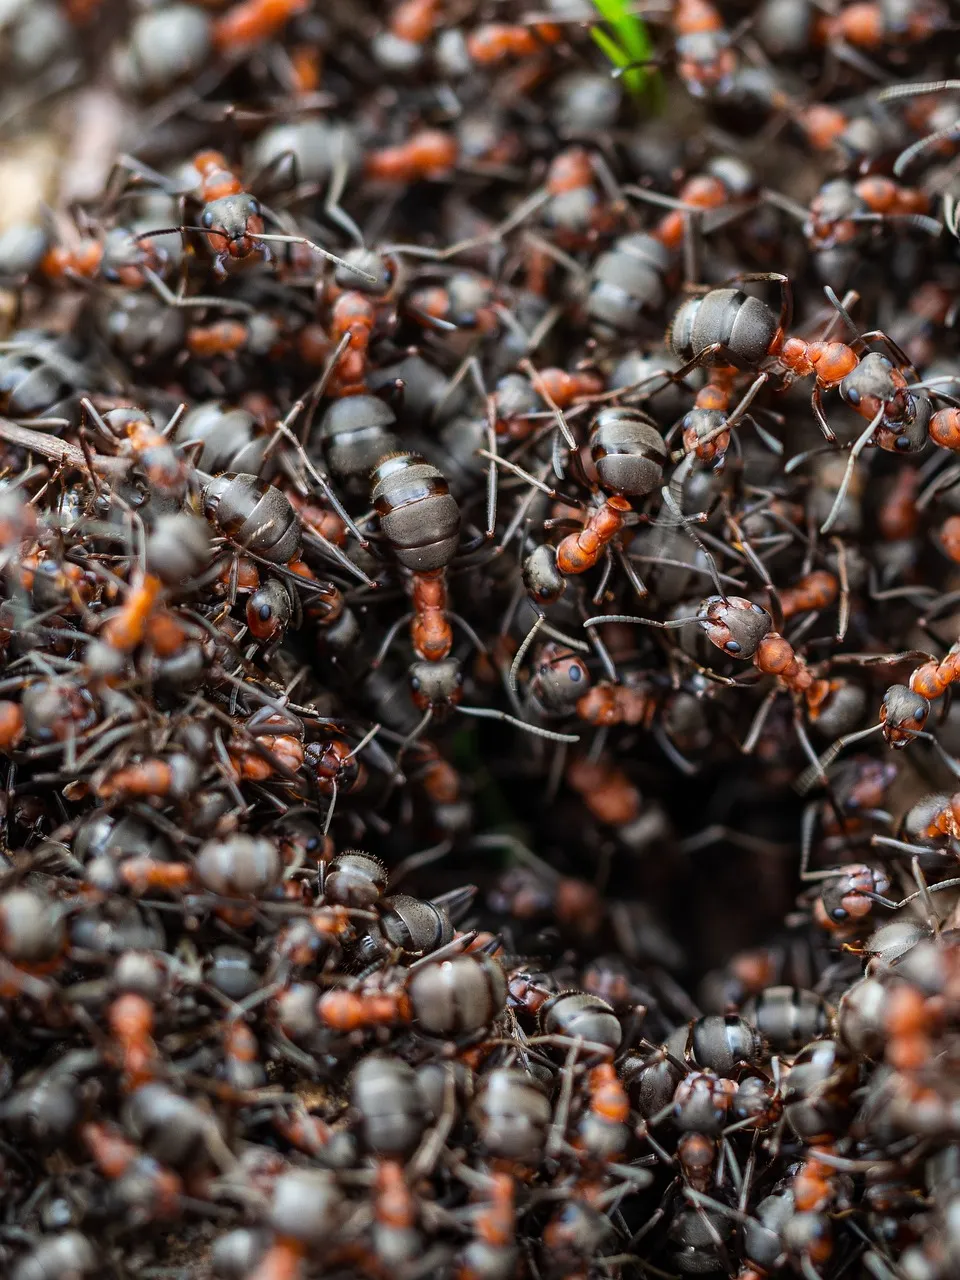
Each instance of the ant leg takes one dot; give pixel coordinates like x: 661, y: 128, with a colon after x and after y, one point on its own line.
x: 861, y: 443
x: 786, y: 291
x: 807, y: 824
x: 496, y: 460
x: 165, y: 293
x: 658, y: 198
x: 422, y: 858
x: 126, y: 163
x: 609, y: 667
x: 412, y: 737
x: 604, y: 174
x: 898, y: 353
x: 283, y: 168
x: 816, y: 403
x: 331, y: 204
x: 696, y: 363
x: 388, y: 639
x: 320, y: 386
x: 672, y: 752
x: 317, y: 542
x: 174, y: 422
x: 469, y: 366
x: 604, y: 577
x: 88, y: 408
x: 561, y: 1113
x: 283, y: 429
x: 759, y: 720
x: 556, y: 455
x: 634, y: 578
x: 542, y: 391
x: 844, y: 52
x: 493, y: 485
x: 692, y: 248
x: 518, y: 520
x: 811, y: 755
x: 424, y: 1159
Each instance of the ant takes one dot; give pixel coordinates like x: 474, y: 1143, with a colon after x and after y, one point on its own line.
x: 727, y: 327
x: 744, y: 630
x: 495, y: 42
x: 409, y: 26
x: 429, y: 155
x: 253, y: 22
x: 231, y: 219
x: 815, y: 591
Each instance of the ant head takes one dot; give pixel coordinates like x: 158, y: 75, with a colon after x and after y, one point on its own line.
x: 234, y: 218
x: 437, y: 685
x: 874, y: 381
x: 541, y: 577
x: 560, y: 678
x: 734, y: 625
x: 910, y: 434
x: 903, y: 714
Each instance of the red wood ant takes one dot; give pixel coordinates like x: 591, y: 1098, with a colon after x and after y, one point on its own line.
x: 728, y: 327
x: 231, y: 219
x: 428, y: 155
x: 495, y: 42
x: 253, y: 22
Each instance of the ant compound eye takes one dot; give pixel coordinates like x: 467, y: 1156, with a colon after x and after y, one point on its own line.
x: 918, y: 714
x: 903, y: 444
x: 253, y: 206
x: 265, y: 612
x: 838, y: 913
x: 459, y: 680
x: 887, y: 364
x: 415, y: 683
x: 757, y: 608
x: 853, y: 396
x: 575, y: 674
x: 207, y: 219
x: 732, y: 647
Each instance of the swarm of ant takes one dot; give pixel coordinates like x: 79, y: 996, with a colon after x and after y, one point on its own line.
x: 478, y: 618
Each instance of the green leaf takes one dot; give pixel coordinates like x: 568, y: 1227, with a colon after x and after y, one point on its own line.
x: 631, y: 30
x: 632, y: 44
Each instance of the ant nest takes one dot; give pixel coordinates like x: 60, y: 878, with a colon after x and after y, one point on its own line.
x: 478, y: 621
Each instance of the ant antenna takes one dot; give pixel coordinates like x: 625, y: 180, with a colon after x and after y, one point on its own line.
x: 861, y: 443
x: 490, y: 713
x: 521, y: 652
x: 848, y: 300
x: 687, y: 524
x: 672, y: 625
